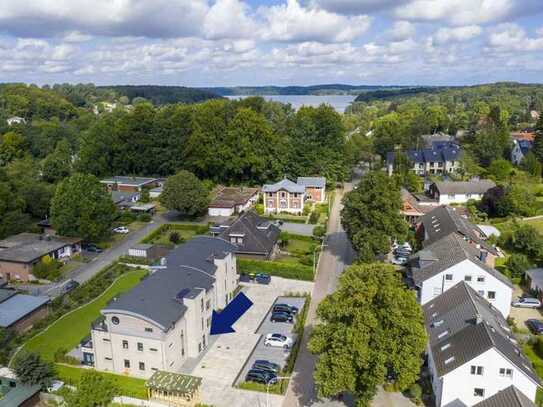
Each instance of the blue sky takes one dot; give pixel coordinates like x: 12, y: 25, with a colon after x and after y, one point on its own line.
x: 263, y: 42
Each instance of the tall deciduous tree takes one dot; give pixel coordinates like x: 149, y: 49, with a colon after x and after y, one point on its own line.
x: 538, y: 141
x: 94, y: 389
x: 82, y: 207
x: 31, y: 370
x: 58, y: 164
x: 371, y: 215
x: 185, y: 193
x: 371, y: 328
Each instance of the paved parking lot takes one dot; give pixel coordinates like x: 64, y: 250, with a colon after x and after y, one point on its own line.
x: 521, y: 315
x: 275, y: 355
x: 227, y: 354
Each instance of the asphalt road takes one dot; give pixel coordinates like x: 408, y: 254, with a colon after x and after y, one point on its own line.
x: 336, y: 255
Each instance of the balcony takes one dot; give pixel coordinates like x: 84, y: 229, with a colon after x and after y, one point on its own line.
x: 100, y: 324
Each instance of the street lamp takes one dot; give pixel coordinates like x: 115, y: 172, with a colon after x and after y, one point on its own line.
x: 268, y: 388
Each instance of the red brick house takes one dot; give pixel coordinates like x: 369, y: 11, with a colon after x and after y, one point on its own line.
x: 315, y: 188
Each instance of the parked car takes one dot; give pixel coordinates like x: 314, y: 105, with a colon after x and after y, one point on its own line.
x: 281, y: 317
x: 267, y: 366
x: 535, y: 325
x: 262, y: 278
x: 69, y: 286
x: 402, y: 252
x: 121, y: 229
x: 399, y: 260
x: 261, y: 376
x: 291, y: 309
x: 91, y: 247
x: 278, y: 341
x: 526, y: 302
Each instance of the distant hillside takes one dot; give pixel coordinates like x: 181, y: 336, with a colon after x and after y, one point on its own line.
x: 328, y: 89
x: 383, y: 94
x: 161, y: 95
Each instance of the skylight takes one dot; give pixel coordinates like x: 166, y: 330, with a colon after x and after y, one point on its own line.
x: 446, y: 346
x: 451, y: 359
x: 442, y: 334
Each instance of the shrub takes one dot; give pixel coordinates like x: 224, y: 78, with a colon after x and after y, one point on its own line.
x: 314, y: 217
x: 126, y: 217
x: 175, y: 237
x: 145, y: 217
x: 62, y: 357
x: 415, y: 393
x: 47, y: 268
x: 307, y: 260
x: 307, y: 209
x: 298, y: 329
x: 538, y: 346
x: 259, y: 208
x: 319, y: 231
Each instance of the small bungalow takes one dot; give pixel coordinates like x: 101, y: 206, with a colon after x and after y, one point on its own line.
x: 459, y: 192
x: 129, y: 184
x: 175, y: 389
x: 19, y: 312
x: 19, y: 253
x: 231, y: 200
x: 124, y: 200
x: 254, y: 237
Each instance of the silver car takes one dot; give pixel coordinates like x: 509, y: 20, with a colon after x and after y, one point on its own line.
x: 526, y: 302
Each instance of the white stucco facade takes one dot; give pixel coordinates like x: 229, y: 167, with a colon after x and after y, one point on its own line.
x: 458, y: 387
x: 447, y: 199
x: 496, y: 292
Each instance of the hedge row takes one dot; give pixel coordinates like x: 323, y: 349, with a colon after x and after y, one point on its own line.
x: 169, y: 227
x: 276, y: 268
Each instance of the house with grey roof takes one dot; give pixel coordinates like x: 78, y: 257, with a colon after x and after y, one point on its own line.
x: 129, y: 184
x: 254, y: 237
x: 453, y: 259
x: 443, y: 157
x: 19, y: 311
x: 19, y: 253
x: 472, y: 354
x: 228, y: 201
x: 284, y: 196
x: 315, y: 188
x: 166, y: 318
x: 509, y: 397
x: 459, y: 192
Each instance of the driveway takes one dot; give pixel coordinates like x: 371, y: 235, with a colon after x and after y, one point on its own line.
x: 227, y: 354
x: 521, y: 315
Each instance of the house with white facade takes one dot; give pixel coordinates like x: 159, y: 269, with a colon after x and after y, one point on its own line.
x: 472, y: 354
x: 15, y: 120
x: 459, y: 192
x: 228, y: 201
x: 166, y: 318
x: 284, y: 196
x: 440, y: 158
x: 452, y: 259
x: 509, y: 397
x: 520, y: 149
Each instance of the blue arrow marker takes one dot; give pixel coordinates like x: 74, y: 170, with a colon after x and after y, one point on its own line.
x: 221, y: 322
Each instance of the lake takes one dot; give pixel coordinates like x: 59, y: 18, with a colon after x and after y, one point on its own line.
x: 338, y: 102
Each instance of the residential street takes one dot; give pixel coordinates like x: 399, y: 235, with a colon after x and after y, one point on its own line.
x: 334, y: 258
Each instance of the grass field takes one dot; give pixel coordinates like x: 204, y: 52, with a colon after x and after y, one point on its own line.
x: 185, y: 231
x: 536, y: 223
x: 69, y: 330
x: 128, y: 386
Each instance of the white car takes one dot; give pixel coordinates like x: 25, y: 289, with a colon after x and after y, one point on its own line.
x: 278, y: 341
x: 121, y: 229
x: 526, y: 302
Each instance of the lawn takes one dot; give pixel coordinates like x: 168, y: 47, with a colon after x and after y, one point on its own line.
x: 292, y: 270
x: 186, y: 231
x: 300, y: 247
x: 128, y: 386
x: 536, y: 223
x: 69, y: 330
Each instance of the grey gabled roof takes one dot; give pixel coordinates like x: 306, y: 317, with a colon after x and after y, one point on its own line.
x: 462, y: 325
x: 19, y: 306
x: 29, y: 247
x: 509, y: 397
x: 259, y: 235
x: 464, y: 187
x: 445, y: 220
x: 188, y: 268
x: 315, y: 182
x: 445, y: 253
x: 285, y: 184
x: 130, y: 181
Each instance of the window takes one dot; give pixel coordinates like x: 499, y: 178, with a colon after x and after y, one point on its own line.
x: 148, y: 329
x: 283, y: 195
x: 270, y: 195
x: 468, y: 196
x: 467, y: 278
x: 142, y: 366
x: 448, y: 277
x: 202, y: 305
x: 481, y: 279
x: 153, y: 349
x: 477, y: 392
x: 140, y: 346
x: 491, y: 295
x: 208, y: 304
x: 106, y: 340
x: 127, y: 363
x: 125, y: 344
x: 115, y: 320
x: 506, y: 372
x: 452, y: 196
x: 477, y: 370
x: 108, y: 359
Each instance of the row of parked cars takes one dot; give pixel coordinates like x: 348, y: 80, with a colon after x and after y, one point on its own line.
x: 283, y: 313
x: 263, y: 371
x: 401, y: 253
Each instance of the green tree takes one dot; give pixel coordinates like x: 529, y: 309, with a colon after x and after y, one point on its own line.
x: 370, y: 328
x: 185, y: 193
x: 500, y: 169
x: 538, y: 140
x: 57, y: 165
x: 371, y: 215
x: 12, y: 146
x: 518, y: 263
x: 94, y: 390
x: 525, y: 239
x: 82, y: 207
x: 31, y: 369
x: 531, y: 165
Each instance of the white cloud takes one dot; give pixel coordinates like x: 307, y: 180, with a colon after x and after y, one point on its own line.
x: 357, y: 6
x: 228, y: 19
x: 293, y: 23
x: 511, y: 37
x: 458, y: 34
x: 467, y: 12
x: 401, y: 30
x: 76, y: 36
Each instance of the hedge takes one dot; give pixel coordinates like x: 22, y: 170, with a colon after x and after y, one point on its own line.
x: 276, y: 268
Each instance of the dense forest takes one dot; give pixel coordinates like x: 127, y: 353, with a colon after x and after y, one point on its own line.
x: 329, y: 89
x: 248, y: 141
x: 161, y: 95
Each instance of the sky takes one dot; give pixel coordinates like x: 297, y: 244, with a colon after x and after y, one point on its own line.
x: 271, y: 42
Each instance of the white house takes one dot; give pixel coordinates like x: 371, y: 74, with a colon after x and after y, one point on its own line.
x: 166, y: 318
x: 15, y: 120
x: 472, y: 355
x: 284, y: 196
x: 459, y: 192
x: 451, y: 260
x: 232, y: 200
x: 521, y: 147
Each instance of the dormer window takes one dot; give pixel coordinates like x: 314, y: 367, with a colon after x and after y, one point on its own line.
x: 443, y: 334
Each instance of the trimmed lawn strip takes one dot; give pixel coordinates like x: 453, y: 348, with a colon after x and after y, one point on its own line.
x: 69, y: 330
x: 186, y: 232
x: 128, y: 386
x: 293, y: 271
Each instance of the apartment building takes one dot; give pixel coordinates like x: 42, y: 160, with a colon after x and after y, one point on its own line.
x: 167, y: 317
x: 441, y: 158
x: 472, y: 355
